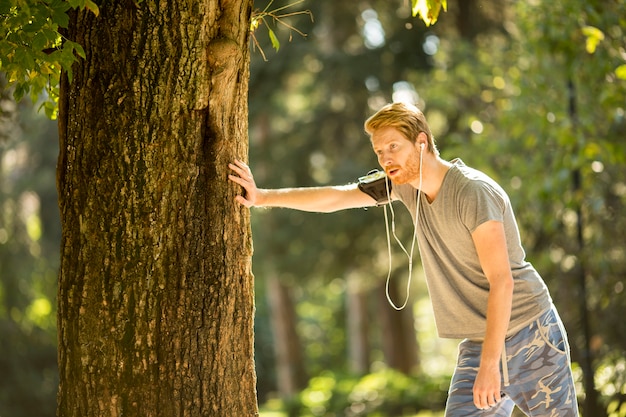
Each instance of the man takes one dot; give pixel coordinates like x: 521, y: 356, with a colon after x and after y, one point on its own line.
x: 514, y: 349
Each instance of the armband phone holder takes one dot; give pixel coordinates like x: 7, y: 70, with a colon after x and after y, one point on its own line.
x: 373, y: 184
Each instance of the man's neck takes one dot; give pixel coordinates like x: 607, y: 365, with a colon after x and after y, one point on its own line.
x: 434, y: 170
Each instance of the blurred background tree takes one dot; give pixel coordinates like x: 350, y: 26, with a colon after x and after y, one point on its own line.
x: 533, y: 93
x: 30, y: 233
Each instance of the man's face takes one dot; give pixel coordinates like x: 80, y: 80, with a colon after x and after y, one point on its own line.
x: 398, y: 156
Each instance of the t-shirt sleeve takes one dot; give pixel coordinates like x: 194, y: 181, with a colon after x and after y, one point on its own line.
x: 481, y: 202
x: 406, y: 194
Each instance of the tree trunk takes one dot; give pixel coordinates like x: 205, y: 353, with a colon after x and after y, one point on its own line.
x: 358, y: 326
x: 399, y: 338
x: 591, y: 404
x: 290, y: 371
x: 155, y: 302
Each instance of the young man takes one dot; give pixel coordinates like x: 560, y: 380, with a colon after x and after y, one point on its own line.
x: 514, y: 349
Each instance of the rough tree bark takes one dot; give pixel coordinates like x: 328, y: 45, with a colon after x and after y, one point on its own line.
x: 155, y: 293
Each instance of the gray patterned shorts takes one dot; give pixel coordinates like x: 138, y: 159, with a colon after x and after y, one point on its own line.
x: 536, y: 374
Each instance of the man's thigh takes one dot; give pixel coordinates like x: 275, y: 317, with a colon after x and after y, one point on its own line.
x: 541, y: 381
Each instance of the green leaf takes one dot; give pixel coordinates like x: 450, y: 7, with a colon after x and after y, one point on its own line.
x: 80, y: 51
x: 274, y: 39
x: 51, y: 35
x: 34, y: 25
x: 50, y: 108
x: 74, y: 48
x: 24, y: 57
x: 59, y: 14
x: 76, y: 3
x: 621, y: 72
x: 40, y: 41
x: 20, y: 90
x: 5, y: 8
x: 67, y: 57
x: 85, y: 4
x: 93, y: 7
x: 594, y: 36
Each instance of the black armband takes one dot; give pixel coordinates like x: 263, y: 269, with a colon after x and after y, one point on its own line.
x: 373, y: 184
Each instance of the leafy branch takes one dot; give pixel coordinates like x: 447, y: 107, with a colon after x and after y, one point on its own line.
x: 261, y: 17
x: 32, y: 51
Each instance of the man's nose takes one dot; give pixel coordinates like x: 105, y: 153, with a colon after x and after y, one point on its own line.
x: 384, y: 159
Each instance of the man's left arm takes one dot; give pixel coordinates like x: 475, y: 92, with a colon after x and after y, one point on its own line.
x: 490, y: 241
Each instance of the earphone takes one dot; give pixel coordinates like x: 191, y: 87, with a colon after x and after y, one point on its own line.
x: 393, y: 229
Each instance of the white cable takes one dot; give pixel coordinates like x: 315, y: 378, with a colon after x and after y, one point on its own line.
x: 393, y: 230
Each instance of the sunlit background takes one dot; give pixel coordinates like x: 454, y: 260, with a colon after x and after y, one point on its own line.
x: 533, y: 93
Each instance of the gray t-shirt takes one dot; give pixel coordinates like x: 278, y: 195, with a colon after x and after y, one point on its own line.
x: 457, y: 285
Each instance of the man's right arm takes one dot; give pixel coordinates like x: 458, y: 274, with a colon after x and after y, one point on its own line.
x: 314, y: 199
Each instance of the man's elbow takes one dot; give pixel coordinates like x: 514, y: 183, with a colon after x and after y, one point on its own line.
x: 503, y: 282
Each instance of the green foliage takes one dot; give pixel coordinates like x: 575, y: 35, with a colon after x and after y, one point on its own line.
x: 32, y: 50
x: 496, y: 91
x: 384, y: 393
x: 611, y: 382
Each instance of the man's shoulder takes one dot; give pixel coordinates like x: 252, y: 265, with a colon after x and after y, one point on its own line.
x: 404, y: 192
x: 466, y: 176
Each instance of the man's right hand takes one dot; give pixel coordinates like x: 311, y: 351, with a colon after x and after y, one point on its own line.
x: 246, y: 180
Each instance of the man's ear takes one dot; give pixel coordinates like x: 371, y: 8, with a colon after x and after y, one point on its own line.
x: 421, y: 141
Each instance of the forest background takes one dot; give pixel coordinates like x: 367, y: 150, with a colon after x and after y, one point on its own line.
x: 533, y: 93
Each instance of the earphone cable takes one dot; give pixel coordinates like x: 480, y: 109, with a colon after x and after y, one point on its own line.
x: 393, y: 230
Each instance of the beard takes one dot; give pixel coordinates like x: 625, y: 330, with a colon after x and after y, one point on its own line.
x: 409, y: 172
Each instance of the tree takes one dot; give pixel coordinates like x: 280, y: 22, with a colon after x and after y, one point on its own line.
x: 155, y: 290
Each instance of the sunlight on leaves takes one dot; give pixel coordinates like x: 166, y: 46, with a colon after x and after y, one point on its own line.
x: 428, y: 10
x: 593, y: 37
x: 32, y: 51
x: 92, y: 7
x: 40, y: 313
x: 621, y: 72
x: 274, y: 39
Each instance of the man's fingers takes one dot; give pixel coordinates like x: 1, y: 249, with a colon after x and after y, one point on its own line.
x: 242, y: 170
x: 484, y: 402
x: 239, y: 170
x: 241, y: 167
x: 237, y: 179
x: 241, y: 200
